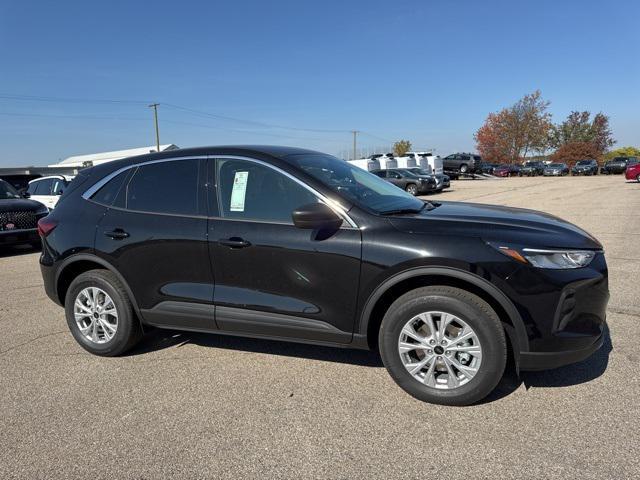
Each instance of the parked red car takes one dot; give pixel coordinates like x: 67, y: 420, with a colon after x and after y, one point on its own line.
x: 633, y: 172
x: 507, y: 170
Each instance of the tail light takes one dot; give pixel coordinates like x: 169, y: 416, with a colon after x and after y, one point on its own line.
x: 46, y: 226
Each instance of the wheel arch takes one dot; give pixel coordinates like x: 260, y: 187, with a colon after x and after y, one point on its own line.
x: 77, y: 264
x: 382, y: 297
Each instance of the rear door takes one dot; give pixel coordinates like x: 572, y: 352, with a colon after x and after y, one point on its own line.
x: 272, y: 278
x: 154, y: 233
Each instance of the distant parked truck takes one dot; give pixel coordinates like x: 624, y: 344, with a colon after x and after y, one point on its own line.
x: 427, y: 161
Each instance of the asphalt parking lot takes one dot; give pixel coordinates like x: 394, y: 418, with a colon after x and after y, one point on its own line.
x: 198, y: 406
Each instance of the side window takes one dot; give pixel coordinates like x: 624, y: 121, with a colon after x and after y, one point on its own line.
x: 43, y: 187
x: 58, y: 186
x: 32, y: 188
x: 251, y: 191
x: 380, y: 173
x: 164, y: 187
x: 107, y: 194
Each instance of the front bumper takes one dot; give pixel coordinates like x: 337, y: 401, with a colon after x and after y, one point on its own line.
x: 532, y: 361
x: 18, y: 237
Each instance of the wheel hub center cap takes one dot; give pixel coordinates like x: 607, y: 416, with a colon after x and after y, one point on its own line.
x: 438, y: 350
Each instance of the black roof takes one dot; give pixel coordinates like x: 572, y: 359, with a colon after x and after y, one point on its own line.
x: 256, y: 151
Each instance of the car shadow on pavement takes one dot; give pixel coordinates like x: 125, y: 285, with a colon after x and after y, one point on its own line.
x: 575, y: 374
x: 159, y: 339
x: 17, y: 250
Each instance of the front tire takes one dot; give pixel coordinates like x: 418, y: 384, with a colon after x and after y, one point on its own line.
x: 412, y: 188
x: 464, y: 168
x: 100, y: 315
x: 443, y: 345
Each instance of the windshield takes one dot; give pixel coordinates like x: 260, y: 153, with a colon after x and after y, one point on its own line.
x: 556, y: 165
x: 356, y: 185
x: 420, y: 171
x: 7, y: 191
x: 584, y: 162
x: 531, y: 164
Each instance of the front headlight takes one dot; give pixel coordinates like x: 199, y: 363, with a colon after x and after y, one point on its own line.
x: 549, y: 259
x: 558, y: 259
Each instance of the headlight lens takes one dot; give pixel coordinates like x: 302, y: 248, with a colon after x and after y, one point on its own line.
x: 549, y: 259
x: 558, y: 259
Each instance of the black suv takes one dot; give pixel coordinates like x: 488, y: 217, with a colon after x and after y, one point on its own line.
x: 462, y: 162
x: 291, y: 244
x: 532, y: 168
x: 618, y: 165
x: 19, y: 217
x: 406, y: 180
x: 585, y: 167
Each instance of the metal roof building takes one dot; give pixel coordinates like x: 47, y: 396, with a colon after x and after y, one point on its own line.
x: 98, y: 158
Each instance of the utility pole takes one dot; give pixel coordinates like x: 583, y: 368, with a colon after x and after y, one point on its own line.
x: 355, y: 133
x: 155, y: 115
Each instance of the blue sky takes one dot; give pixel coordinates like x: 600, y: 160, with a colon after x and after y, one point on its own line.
x: 429, y: 71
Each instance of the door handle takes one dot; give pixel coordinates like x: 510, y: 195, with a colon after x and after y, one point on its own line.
x: 234, y: 242
x: 117, y: 234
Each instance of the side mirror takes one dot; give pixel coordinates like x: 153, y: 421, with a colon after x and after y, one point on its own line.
x: 316, y: 216
x: 25, y: 194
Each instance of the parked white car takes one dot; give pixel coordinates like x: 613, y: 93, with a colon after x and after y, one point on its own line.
x: 47, y: 190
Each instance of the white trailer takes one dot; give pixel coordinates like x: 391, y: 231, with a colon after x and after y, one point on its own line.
x: 367, y: 164
x: 406, y: 162
x: 428, y: 161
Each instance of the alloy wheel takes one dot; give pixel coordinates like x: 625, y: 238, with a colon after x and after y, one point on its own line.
x: 96, y: 315
x: 440, y: 350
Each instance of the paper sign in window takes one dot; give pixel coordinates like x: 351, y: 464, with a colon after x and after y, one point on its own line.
x: 239, y: 191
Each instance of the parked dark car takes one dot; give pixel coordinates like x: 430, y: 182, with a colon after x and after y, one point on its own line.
x: 462, y: 162
x: 617, y: 165
x: 585, y: 167
x: 556, y: 170
x: 442, y: 180
x: 404, y: 179
x: 488, y: 167
x: 291, y: 244
x: 532, y: 168
x: 19, y: 217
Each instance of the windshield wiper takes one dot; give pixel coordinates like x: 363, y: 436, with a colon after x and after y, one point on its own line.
x: 428, y: 205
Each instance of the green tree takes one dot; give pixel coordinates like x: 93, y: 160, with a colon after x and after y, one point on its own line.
x: 623, y: 152
x: 401, y: 147
x: 580, y: 128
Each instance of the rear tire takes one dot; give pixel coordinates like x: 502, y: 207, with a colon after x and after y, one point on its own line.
x: 105, y: 334
x: 464, y: 168
x: 470, y: 313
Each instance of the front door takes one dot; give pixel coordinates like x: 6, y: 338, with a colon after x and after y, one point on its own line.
x: 272, y: 278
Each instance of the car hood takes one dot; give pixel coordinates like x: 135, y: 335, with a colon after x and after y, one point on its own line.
x: 20, y: 205
x: 516, y: 226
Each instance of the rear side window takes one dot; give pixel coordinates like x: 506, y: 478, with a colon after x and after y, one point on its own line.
x: 59, y: 186
x: 43, y: 187
x: 108, y: 193
x: 165, y: 187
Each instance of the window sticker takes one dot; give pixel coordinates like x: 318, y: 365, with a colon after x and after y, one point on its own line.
x: 239, y: 191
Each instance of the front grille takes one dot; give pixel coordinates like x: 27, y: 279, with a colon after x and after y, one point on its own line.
x: 18, y: 220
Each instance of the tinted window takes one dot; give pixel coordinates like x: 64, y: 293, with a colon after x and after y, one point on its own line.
x: 380, y: 173
x: 59, y: 186
x: 109, y: 191
x: 165, y: 187
x: 251, y: 191
x: 43, y: 187
x: 354, y: 184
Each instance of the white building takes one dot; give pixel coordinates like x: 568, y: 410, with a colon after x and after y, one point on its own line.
x: 98, y: 158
